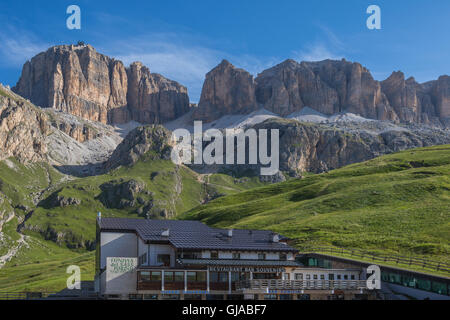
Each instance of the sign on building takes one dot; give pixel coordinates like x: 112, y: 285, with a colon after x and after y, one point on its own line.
x: 121, y: 275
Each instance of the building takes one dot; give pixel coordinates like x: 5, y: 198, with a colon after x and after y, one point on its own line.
x: 172, y: 259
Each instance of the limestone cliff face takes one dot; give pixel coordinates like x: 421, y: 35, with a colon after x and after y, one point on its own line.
x: 23, y: 129
x: 226, y: 90
x: 85, y: 83
x: 322, y: 147
x: 327, y: 86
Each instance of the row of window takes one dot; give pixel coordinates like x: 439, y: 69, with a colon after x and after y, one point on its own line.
x: 173, y: 276
x: 234, y: 256
x: 422, y: 284
x: 331, y: 276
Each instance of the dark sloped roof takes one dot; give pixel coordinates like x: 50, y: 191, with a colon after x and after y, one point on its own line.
x: 195, y: 235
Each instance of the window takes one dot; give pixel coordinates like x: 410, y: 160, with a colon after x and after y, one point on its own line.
x: 223, y: 277
x: 164, y: 259
x: 261, y: 256
x: 192, y: 255
x: 143, y: 259
x: 145, y: 275
x: 315, y: 277
x: 286, y: 276
x: 339, y: 277
x: 331, y: 276
x: 345, y: 277
x: 214, y: 255
x: 236, y: 255
x: 308, y: 277
x: 179, y: 276
x: 156, y: 275
x: 283, y: 257
x: 168, y: 276
x: 322, y: 277
x: 352, y: 277
x: 193, y: 276
x: 298, y: 276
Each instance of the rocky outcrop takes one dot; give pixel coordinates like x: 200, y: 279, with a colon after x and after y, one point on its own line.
x: 322, y: 147
x: 226, y: 90
x: 122, y: 194
x: 23, y: 129
x: 61, y: 201
x: 153, y: 141
x: 329, y: 87
x: 85, y: 83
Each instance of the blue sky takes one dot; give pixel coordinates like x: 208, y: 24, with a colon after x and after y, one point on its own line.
x: 185, y: 39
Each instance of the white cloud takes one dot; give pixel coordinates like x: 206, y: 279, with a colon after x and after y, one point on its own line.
x: 316, y: 52
x: 18, y: 47
x: 327, y: 46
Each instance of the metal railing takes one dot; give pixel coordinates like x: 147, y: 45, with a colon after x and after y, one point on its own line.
x: 397, y: 259
x: 274, y: 284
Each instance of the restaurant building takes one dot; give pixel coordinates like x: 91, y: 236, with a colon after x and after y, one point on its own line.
x: 173, y: 259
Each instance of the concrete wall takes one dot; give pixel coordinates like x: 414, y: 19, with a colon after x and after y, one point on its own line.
x: 114, y: 244
x: 121, y: 275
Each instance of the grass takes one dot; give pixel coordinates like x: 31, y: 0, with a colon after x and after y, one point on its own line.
x: 397, y: 203
x: 57, y: 237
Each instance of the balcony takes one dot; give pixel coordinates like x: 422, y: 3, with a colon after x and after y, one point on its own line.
x: 274, y: 284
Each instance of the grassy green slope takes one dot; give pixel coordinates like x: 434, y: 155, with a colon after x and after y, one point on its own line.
x: 160, y: 178
x: 399, y: 203
x: 40, y: 263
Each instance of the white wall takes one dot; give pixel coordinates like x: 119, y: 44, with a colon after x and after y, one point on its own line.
x: 114, y: 244
x: 156, y: 249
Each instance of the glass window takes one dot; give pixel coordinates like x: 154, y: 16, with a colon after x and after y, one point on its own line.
x: 223, y: 277
x: 315, y: 277
x: 298, y: 276
x: 236, y: 255
x: 214, y: 277
x: 308, y: 277
x: 214, y: 255
x: 352, y: 277
x: 164, y: 259
x: 235, y: 276
x: 179, y: 276
x: 270, y: 297
x: 345, y: 277
x: 168, y: 276
x: 156, y: 275
x: 201, y: 276
x: 283, y: 256
x: 322, y: 277
x: 191, y: 276
x: 261, y: 256
x: 339, y: 277
x: 331, y: 276
x: 145, y: 275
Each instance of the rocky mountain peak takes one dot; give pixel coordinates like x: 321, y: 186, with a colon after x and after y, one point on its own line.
x: 80, y: 81
x: 226, y: 90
